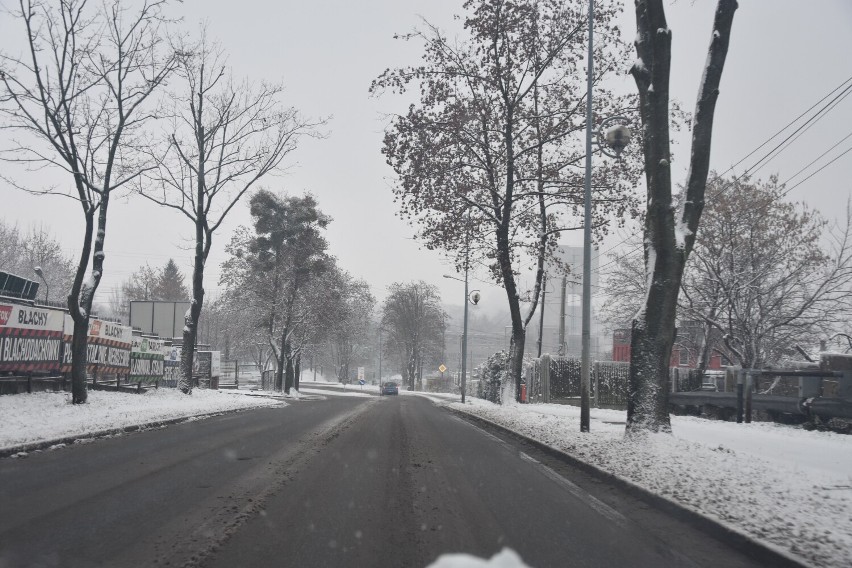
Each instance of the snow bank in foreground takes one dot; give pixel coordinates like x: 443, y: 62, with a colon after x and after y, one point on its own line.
x: 779, y: 484
x: 29, y: 418
x: 507, y: 558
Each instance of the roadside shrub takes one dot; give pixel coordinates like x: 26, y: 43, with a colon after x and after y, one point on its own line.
x: 492, y: 374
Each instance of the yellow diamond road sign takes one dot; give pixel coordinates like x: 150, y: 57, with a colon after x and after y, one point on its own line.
x: 442, y: 368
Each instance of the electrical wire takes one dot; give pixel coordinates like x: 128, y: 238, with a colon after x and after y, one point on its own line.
x: 846, y: 87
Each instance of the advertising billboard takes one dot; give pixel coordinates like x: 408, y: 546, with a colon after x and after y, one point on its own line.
x: 164, y: 319
x: 146, y: 360
x: 108, y: 349
x: 30, y: 338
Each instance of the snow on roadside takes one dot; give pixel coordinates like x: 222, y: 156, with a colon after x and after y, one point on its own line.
x: 39, y: 417
x: 330, y: 392
x: 328, y: 386
x: 437, y: 397
x: 759, y: 478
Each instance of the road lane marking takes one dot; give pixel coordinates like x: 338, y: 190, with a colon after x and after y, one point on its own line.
x: 590, y: 500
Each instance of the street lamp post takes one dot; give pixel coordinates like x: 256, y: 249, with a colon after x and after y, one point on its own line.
x: 541, y: 315
x: 587, y: 236
x: 40, y: 273
x: 472, y: 297
x: 464, y: 337
x: 380, y: 359
x: 616, y: 138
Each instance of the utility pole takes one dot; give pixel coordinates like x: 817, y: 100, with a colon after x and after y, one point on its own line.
x: 541, y: 316
x: 562, y: 318
x: 380, y: 359
x: 464, y: 336
x: 587, y: 235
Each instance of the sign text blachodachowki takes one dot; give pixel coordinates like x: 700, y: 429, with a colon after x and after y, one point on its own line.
x: 146, y: 360
x: 30, y: 338
x: 108, y: 348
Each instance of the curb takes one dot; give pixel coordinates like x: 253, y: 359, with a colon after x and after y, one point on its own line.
x: 70, y: 440
x: 766, y: 552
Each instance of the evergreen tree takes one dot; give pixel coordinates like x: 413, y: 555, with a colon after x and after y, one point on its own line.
x: 170, y: 285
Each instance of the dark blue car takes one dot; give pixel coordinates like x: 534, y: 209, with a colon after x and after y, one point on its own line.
x: 390, y: 388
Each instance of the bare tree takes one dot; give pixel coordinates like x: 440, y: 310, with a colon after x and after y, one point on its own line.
x: 223, y: 137
x: 22, y: 251
x: 765, y: 273
x: 77, y: 102
x: 764, y: 276
x: 351, y: 308
x: 623, y: 284
x: 414, y: 319
x: 670, y: 228
x: 489, y: 162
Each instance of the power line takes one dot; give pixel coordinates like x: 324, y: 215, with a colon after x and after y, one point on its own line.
x: 845, y: 92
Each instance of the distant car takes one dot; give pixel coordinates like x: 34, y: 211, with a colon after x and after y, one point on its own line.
x: 390, y: 388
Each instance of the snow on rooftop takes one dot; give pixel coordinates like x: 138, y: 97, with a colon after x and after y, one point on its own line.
x: 783, y: 485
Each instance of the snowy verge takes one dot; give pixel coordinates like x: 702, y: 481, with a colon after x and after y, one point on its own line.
x: 42, y: 418
x: 766, y: 489
x: 329, y: 392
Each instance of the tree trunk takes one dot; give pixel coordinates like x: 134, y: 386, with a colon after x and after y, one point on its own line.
x: 80, y: 336
x: 518, y: 341
x: 280, y: 362
x: 669, y: 231
x: 279, y: 373
x: 288, y: 369
x: 411, y: 370
x: 650, y: 355
x: 516, y: 365
x: 706, y: 349
x: 79, y: 356
x: 190, y: 328
x: 82, y: 296
x: 297, y: 372
x: 289, y: 377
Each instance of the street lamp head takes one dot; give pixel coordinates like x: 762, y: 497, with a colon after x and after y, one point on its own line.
x: 38, y: 271
x: 475, y: 296
x: 617, y: 138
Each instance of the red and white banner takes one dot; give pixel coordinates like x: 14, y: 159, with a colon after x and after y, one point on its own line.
x: 30, y: 338
x: 108, y: 346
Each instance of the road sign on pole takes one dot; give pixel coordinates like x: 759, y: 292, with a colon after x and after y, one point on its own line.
x: 442, y: 368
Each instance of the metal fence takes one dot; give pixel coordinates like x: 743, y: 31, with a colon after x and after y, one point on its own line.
x: 557, y: 379
x: 609, y: 383
x: 267, y: 380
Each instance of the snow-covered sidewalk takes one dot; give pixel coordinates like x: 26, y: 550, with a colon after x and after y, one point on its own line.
x: 779, y: 484
x: 43, y: 417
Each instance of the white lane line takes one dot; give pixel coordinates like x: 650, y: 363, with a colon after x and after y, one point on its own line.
x: 484, y: 432
x: 590, y: 500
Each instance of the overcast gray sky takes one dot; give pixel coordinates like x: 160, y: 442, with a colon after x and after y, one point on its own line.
x: 784, y: 56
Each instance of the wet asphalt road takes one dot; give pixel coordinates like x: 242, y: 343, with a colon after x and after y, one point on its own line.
x: 340, y: 481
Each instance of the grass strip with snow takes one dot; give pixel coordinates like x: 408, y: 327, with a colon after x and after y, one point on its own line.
x: 39, y: 417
